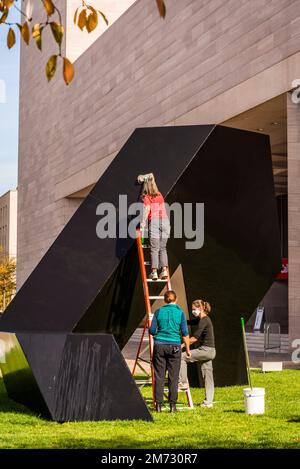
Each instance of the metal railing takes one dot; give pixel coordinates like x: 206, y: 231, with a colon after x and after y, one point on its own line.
x: 272, y: 336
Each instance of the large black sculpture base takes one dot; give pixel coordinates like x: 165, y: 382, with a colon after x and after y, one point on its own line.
x: 97, y: 282
x: 71, y: 377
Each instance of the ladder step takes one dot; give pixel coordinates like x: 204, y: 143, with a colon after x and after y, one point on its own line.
x: 143, y: 381
x: 179, y: 390
x: 144, y: 360
x: 139, y: 361
x: 158, y: 280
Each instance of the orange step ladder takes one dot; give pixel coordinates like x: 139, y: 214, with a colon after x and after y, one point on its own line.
x: 140, y: 360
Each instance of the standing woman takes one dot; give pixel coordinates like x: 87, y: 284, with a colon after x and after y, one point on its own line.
x: 168, y: 326
x: 159, y: 225
x: 205, y: 352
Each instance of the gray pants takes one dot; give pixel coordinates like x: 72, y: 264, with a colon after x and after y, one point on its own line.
x: 204, y: 355
x: 159, y: 231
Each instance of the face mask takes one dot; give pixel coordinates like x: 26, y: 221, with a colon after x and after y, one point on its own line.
x: 195, y: 312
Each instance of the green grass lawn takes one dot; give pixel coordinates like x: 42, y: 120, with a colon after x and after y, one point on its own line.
x: 224, y: 426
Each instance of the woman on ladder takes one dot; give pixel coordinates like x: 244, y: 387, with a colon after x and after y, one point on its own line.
x: 159, y: 226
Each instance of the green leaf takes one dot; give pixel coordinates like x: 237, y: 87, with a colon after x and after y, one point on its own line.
x: 4, y: 15
x: 57, y: 31
x: 51, y: 67
x: 37, y: 35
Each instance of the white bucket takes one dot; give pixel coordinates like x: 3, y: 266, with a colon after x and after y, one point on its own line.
x: 254, y: 400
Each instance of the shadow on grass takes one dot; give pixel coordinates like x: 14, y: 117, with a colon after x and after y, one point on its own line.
x: 294, y: 420
x: 235, y: 411
x: 152, y: 443
x: 18, y: 409
x: 9, y: 406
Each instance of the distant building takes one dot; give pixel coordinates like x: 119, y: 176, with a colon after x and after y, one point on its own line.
x: 8, y: 223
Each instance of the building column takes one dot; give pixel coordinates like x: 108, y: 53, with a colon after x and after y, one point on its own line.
x: 293, y: 155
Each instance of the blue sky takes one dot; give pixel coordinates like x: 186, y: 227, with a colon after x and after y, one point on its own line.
x: 9, y: 109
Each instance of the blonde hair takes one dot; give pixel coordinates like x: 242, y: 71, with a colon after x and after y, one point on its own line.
x: 150, y: 187
x: 202, y: 304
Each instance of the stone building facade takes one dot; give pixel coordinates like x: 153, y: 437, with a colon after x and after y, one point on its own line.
x: 215, y: 61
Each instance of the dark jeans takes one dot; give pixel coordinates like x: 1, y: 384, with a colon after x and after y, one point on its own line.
x: 166, y: 358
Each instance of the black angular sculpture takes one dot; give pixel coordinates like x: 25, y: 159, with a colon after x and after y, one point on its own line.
x: 72, y: 340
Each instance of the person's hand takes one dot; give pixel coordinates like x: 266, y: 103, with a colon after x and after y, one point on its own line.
x: 188, y: 354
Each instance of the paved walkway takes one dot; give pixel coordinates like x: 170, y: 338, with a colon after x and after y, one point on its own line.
x: 257, y: 357
x: 130, y: 350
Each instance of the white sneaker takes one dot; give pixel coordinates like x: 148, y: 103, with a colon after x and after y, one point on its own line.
x: 206, y: 406
x: 183, y: 386
x: 153, y: 275
x: 164, y: 274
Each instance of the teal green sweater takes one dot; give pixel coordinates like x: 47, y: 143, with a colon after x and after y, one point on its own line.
x: 168, y: 323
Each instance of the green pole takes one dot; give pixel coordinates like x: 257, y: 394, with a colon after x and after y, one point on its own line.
x: 246, y: 353
x: 142, y: 236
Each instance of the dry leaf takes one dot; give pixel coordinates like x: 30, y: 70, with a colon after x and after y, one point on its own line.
x: 25, y: 33
x: 92, y: 21
x: 49, y: 7
x: 68, y: 71
x: 82, y: 20
x: 104, y: 17
x: 75, y: 15
x: 161, y: 8
x: 11, y: 38
x: 9, y: 3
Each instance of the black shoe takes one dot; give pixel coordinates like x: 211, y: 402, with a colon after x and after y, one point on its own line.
x: 173, y: 408
x: 158, y: 407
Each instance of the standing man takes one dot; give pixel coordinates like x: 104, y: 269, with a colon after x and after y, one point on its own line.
x: 168, y: 324
x: 204, y: 354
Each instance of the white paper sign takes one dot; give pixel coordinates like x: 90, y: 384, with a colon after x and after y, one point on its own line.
x: 259, y: 317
